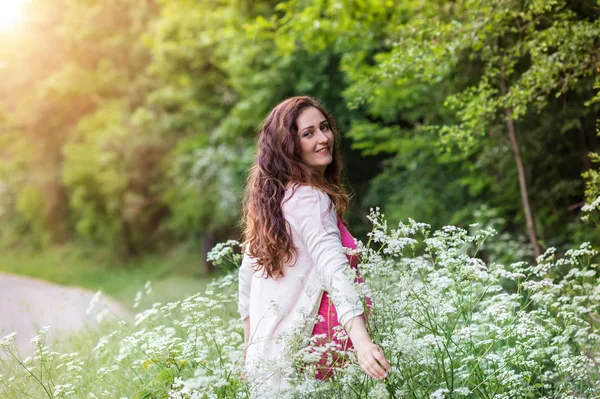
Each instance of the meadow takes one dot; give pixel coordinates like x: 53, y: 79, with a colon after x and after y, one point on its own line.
x: 173, y: 273
x: 451, y: 324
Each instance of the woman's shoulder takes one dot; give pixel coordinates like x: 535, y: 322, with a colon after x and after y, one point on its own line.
x: 309, y: 203
x: 305, y: 194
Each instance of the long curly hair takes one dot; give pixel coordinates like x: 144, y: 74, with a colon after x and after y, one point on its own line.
x: 267, y: 237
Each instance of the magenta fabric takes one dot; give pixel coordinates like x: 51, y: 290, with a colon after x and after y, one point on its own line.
x: 329, y: 319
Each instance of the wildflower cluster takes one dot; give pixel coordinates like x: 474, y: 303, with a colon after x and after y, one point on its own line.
x: 186, y: 349
x: 451, y: 325
x: 592, y: 206
x: 226, y: 255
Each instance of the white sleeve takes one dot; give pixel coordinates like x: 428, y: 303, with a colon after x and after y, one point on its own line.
x: 311, y: 214
x: 245, y: 284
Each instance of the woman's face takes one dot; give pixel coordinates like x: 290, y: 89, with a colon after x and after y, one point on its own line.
x: 316, y: 139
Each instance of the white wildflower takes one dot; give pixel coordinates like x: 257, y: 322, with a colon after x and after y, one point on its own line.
x: 93, y: 302
x: 440, y: 393
x: 137, y: 300
x: 595, y: 204
x: 8, y: 340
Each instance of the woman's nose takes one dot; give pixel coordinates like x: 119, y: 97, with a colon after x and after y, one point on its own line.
x: 322, y: 137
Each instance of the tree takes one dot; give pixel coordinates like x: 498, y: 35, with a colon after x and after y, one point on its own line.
x: 494, y: 64
x: 74, y: 59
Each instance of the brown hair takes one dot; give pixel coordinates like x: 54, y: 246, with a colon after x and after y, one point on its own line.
x: 278, y: 164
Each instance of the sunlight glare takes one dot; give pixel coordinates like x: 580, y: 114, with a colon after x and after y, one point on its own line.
x: 10, y: 13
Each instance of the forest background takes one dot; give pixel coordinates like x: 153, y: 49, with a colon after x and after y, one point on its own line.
x: 127, y: 126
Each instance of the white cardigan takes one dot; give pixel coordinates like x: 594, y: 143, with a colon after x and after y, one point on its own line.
x: 279, y: 306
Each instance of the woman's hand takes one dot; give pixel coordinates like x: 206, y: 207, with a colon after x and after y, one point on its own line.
x: 370, y: 356
x: 372, y: 360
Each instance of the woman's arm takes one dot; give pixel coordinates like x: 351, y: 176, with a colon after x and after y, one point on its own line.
x: 311, y: 213
x: 245, y: 275
x: 245, y: 285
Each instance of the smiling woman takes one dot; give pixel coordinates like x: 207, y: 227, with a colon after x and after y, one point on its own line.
x: 10, y: 13
x: 295, y: 276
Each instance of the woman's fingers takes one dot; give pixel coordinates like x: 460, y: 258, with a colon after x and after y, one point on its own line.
x: 375, y: 374
x: 375, y: 371
x: 380, y: 358
x: 374, y: 363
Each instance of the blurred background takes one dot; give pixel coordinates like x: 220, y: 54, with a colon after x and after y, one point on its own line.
x: 127, y: 126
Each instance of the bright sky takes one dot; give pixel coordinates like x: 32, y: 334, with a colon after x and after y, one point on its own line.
x: 10, y: 13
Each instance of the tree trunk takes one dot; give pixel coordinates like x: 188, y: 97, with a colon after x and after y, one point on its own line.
x: 514, y: 144
x: 56, y: 201
x: 56, y: 211
x: 585, y: 150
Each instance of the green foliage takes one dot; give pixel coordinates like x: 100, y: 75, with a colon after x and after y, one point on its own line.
x: 458, y: 70
x: 29, y: 207
x: 193, y: 95
x: 421, y: 181
x: 207, y: 183
x: 62, y: 106
x: 592, y: 188
x: 593, y: 180
x: 95, y: 174
x: 132, y: 126
x: 21, y: 201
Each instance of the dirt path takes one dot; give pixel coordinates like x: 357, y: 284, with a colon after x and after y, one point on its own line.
x: 28, y: 304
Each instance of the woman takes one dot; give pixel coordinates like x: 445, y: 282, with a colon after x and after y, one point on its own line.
x: 293, y: 250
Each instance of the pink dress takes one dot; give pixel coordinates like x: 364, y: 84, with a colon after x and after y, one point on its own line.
x: 328, y: 315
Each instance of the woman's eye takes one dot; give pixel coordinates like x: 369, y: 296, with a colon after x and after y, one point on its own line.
x: 324, y: 128
x: 306, y: 134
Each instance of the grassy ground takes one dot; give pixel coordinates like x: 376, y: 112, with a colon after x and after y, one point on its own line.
x: 174, y: 275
